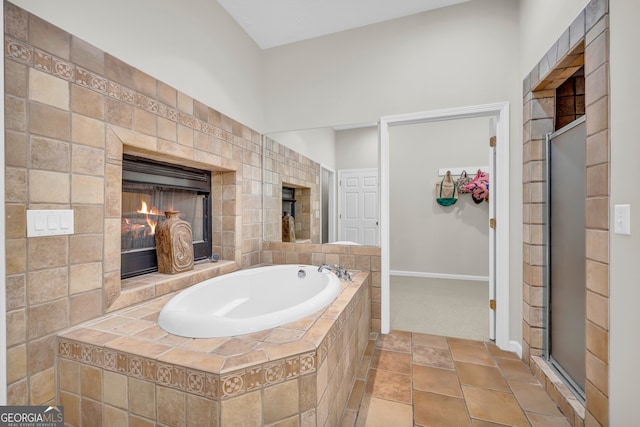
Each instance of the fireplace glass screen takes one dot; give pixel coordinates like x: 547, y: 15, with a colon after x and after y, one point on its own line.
x: 148, y: 191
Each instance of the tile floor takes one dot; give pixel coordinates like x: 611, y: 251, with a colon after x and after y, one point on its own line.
x: 410, y: 379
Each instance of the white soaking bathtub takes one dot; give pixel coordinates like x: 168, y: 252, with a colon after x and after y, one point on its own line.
x: 248, y: 301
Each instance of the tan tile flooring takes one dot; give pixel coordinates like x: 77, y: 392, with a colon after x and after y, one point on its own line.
x: 409, y: 379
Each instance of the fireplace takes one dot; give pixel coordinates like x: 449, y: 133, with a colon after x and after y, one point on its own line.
x: 150, y: 188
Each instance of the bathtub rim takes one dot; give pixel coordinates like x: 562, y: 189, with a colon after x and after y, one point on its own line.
x: 274, y: 319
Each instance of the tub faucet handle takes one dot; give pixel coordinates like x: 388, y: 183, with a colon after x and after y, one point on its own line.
x: 339, y: 270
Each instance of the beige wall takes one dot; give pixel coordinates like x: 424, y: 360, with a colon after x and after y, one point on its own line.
x: 624, y: 250
x: 317, y: 144
x: 418, y: 63
x: 424, y: 236
x: 357, y: 148
x: 192, y: 45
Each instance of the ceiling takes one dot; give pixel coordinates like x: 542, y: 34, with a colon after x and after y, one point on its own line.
x: 273, y: 23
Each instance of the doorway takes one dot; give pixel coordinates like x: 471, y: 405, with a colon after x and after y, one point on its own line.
x: 499, y: 268
x: 439, y: 263
x: 565, y: 340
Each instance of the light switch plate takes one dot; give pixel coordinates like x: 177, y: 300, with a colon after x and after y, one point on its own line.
x: 51, y: 222
x: 622, y: 219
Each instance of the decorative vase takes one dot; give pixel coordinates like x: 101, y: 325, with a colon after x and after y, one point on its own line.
x: 174, y: 244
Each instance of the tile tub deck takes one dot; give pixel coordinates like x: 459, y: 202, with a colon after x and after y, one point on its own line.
x: 123, y: 368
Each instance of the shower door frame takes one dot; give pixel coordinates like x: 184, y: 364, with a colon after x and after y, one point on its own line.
x: 500, y: 191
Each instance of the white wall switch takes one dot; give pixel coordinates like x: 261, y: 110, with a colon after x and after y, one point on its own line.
x: 622, y: 219
x: 50, y: 222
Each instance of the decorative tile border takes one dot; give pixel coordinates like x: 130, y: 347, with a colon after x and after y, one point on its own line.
x: 26, y: 54
x: 194, y: 381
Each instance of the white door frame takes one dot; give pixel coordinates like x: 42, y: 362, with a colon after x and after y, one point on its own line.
x: 331, y: 202
x: 499, y: 190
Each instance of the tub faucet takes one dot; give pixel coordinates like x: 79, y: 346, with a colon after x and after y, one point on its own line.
x: 339, y: 270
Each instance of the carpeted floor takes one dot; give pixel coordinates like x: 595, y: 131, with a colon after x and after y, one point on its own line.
x: 453, y: 308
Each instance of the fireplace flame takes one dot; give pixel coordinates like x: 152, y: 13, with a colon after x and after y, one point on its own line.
x: 145, y: 210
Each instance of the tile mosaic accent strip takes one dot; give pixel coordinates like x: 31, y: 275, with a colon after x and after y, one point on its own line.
x: 24, y: 53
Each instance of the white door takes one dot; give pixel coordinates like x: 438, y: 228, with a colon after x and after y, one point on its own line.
x: 358, y: 206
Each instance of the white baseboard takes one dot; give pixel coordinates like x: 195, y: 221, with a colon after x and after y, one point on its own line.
x: 516, y: 347
x: 438, y: 275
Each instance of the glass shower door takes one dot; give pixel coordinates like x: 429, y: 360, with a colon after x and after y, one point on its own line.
x: 566, y: 326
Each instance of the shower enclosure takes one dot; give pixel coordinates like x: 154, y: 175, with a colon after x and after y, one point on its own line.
x: 565, y: 287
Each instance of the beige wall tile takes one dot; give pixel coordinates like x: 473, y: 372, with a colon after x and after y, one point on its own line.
x: 140, y: 422
x: 598, y: 116
x: 201, y: 412
x: 85, y: 307
x: 115, y: 389
x: 91, y: 382
x: 68, y: 376
x: 48, y: 318
x: 17, y: 393
x: 118, y: 71
x: 15, y: 113
x: 87, y: 102
x: 87, y: 189
x: 15, y: 149
x: 598, y: 277
x: 185, y: 103
x: 167, y: 94
x: 87, y: 160
x: 41, y: 354
x: 85, y: 277
x: 16, y: 289
x: 15, y: 221
x: 15, y: 79
x: 598, y: 342
x: 144, y: 83
x: 245, y: 410
x: 48, y: 252
x: 71, y: 405
x: 16, y: 327
x: 597, y: 404
x: 119, y: 113
x: 42, y: 387
x: 167, y: 129
x: 281, y: 401
x: 49, y: 187
x: 48, y: 89
x: 47, y: 285
x: 598, y: 373
x: 48, y: 37
x: 88, y: 219
x: 145, y: 122
x: 598, y: 148
x: 16, y: 363
x: 597, y: 245
x: 598, y: 309
x: 49, y: 121
x: 86, y: 248
x: 115, y: 417
x: 51, y: 155
x: 142, y: 398
x: 87, y: 55
x: 171, y: 406
x: 90, y: 413
x: 87, y: 131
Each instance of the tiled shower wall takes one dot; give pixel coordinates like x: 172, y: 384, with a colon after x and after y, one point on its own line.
x: 584, y: 43
x: 71, y: 110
